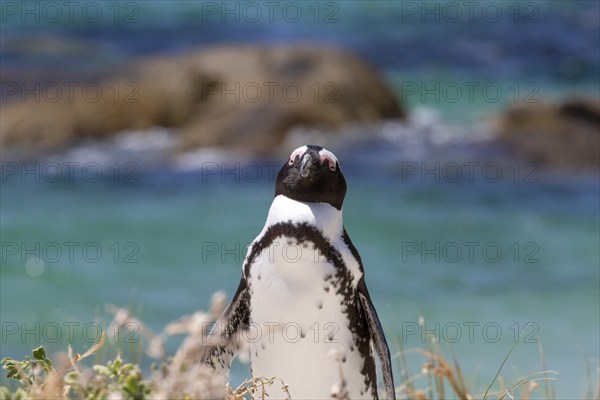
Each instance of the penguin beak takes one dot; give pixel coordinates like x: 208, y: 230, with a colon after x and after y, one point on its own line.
x: 305, y: 165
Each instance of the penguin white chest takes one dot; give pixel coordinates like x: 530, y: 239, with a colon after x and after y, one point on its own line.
x: 298, y: 318
x: 292, y: 283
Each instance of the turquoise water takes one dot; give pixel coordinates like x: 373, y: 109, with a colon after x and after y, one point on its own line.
x: 170, y: 240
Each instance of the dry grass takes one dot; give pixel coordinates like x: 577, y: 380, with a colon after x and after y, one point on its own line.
x: 254, y: 388
x: 440, y: 379
x: 182, y: 377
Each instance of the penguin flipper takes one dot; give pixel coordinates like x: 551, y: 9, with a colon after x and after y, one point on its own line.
x: 378, y: 337
x: 235, y: 319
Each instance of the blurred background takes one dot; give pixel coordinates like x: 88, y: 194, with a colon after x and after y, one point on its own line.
x: 140, y: 141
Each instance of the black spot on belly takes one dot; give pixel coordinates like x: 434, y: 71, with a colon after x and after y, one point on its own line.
x: 302, y: 334
x: 326, y: 289
x: 259, y: 277
x: 320, y: 305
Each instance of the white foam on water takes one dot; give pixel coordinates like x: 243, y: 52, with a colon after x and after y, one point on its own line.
x: 150, y: 147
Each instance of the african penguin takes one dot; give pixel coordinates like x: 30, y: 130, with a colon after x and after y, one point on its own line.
x: 303, y: 296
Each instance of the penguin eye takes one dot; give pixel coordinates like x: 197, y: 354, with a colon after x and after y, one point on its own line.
x: 331, y: 162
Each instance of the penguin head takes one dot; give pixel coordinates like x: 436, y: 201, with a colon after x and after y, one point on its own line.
x: 312, y: 174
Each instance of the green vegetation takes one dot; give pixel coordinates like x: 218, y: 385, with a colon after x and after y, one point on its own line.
x: 39, y: 378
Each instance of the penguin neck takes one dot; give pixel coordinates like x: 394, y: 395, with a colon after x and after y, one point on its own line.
x: 321, y: 215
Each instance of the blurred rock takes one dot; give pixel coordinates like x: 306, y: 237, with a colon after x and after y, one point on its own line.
x: 245, y: 97
x: 565, y: 135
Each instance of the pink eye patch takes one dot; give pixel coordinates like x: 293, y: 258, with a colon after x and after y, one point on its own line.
x: 326, y: 155
x: 297, y: 153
